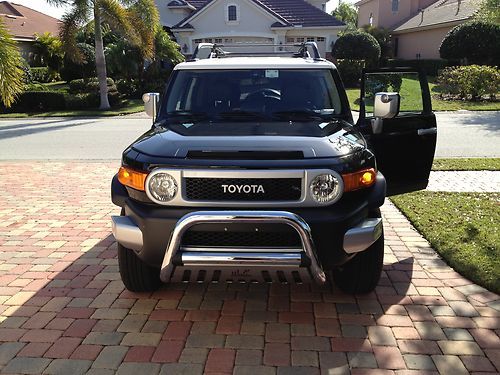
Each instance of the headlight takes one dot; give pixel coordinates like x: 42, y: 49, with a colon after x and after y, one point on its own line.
x: 325, y: 188
x: 162, y: 187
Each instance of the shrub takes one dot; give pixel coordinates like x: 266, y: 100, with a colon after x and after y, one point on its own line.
x: 89, y: 85
x: 41, y: 74
x: 350, y: 71
x: 383, y: 37
x: 357, y: 45
x: 86, y: 93
x: 383, y: 82
x: 31, y: 101
x: 474, y: 41
x: 86, y: 69
x: 473, y: 81
x: 129, y: 88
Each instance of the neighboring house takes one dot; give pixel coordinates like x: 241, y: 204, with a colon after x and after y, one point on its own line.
x: 24, y: 24
x: 418, y: 26
x: 249, y: 21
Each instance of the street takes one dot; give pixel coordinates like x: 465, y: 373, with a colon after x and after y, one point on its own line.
x: 460, y: 134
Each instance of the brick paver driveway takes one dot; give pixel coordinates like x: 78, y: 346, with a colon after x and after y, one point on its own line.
x: 64, y: 310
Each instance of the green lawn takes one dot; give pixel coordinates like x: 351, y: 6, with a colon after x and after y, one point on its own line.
x: 437, y: 104
x: 129, y: 106
x: 467, y: 164
x: 462, y: 227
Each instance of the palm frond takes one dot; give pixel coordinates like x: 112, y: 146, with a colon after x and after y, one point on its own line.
x: 115, y: 15
x: 72, y: 21
x: 145, y: 21
x: 11, y: 74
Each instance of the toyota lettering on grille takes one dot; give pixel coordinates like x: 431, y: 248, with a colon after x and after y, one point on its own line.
x: 246, y: 189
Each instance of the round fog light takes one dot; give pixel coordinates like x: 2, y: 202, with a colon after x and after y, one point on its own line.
x: 325, y: 188
x: 162, y: 187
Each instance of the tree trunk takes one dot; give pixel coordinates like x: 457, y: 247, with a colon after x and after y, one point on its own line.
x: 100, y: 60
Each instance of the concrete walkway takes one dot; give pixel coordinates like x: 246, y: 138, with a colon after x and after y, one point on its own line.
x: 465, y: 181
x: 64, y: 310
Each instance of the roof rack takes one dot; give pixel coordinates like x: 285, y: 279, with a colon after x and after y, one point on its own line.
x: 213, y: 50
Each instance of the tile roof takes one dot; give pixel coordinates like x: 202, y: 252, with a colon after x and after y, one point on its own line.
x: 289, y: 12
x: 23, y: 22
x: 441, y: 12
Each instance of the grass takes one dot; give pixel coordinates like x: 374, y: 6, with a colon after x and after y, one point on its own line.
x: 462, y: 227
x: 467, y: 164
x: 412, y: 86
x: 129, y: 106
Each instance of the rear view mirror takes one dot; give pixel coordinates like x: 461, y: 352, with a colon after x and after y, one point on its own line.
x: 151, y: 100
x: 386, y: 105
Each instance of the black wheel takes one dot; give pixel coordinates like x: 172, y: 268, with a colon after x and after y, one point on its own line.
x: 137, y: 275
x: 362, y: 273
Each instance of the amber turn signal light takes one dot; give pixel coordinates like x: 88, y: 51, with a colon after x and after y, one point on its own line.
x: 358, y: 180
x: 131, y: 178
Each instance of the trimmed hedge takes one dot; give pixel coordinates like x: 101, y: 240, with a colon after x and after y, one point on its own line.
x: 431, y: 67
x: 357, y: 45
x: 474, y: 41
x: 33, y: 101
x: 472, y: 81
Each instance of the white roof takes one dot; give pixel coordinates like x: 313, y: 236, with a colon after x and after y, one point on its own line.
x: 255, y: 63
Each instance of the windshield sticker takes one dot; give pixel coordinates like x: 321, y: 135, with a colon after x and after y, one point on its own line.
x: 272, y: 73
x: 187, y: 125
x: 323, y: 125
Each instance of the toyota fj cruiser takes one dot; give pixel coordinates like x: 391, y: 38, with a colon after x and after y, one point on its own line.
x: 255, y: 171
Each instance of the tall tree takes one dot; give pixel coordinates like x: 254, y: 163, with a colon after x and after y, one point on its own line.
x: 346, y: 13
x: 11, y: 74
x: 137, y: 19
x: 489, y: 11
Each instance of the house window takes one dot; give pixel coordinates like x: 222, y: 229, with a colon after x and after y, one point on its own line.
x: 207, y: 40
x: 300, y: 40
x: 395, y: 5
x: 310, y: 39
x: 218, y: 40
x: 290, y: 40
x: 197, y: 41
x: 232, y: 14
x: 320, y: 39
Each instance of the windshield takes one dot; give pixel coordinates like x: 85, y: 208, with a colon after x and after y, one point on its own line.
x: 251, y: 95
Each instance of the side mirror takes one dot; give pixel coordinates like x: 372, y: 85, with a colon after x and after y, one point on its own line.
x: 151, y: 100
x: 386, y: 105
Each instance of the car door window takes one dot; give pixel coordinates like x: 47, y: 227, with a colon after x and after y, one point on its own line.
x: 407, y: 84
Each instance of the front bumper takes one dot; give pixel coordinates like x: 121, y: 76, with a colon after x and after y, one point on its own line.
x: 290, y: 264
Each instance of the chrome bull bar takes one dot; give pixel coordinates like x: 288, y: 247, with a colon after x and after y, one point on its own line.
x: 273, y: 259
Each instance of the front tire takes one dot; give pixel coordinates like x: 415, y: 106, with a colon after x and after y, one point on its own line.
x: 137, y: 275
x: 362, y: 273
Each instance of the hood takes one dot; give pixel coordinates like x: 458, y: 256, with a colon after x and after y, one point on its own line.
x: 340, y: 139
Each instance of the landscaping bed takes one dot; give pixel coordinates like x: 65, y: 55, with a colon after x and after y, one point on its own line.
x: 462, y: 227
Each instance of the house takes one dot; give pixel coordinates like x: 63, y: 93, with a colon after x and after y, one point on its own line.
x: 24, y: 24
x: 418, y: 26
x: 249, y: 21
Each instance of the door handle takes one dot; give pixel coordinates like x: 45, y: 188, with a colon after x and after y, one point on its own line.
x: 427, y: 131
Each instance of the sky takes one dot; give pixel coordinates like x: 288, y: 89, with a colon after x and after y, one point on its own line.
x: 42, y: 6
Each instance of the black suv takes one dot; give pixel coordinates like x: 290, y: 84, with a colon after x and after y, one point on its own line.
x: 255, y: 171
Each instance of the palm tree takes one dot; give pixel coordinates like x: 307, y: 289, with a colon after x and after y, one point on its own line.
x: 138, y: 19
x: 11, y: 74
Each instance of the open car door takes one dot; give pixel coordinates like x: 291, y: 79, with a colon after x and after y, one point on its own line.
x: 397, y: 120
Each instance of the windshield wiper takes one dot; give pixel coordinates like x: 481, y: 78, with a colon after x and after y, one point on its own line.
x: 188, y: 114
x: 240, y: 114
x: 298, y: 113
